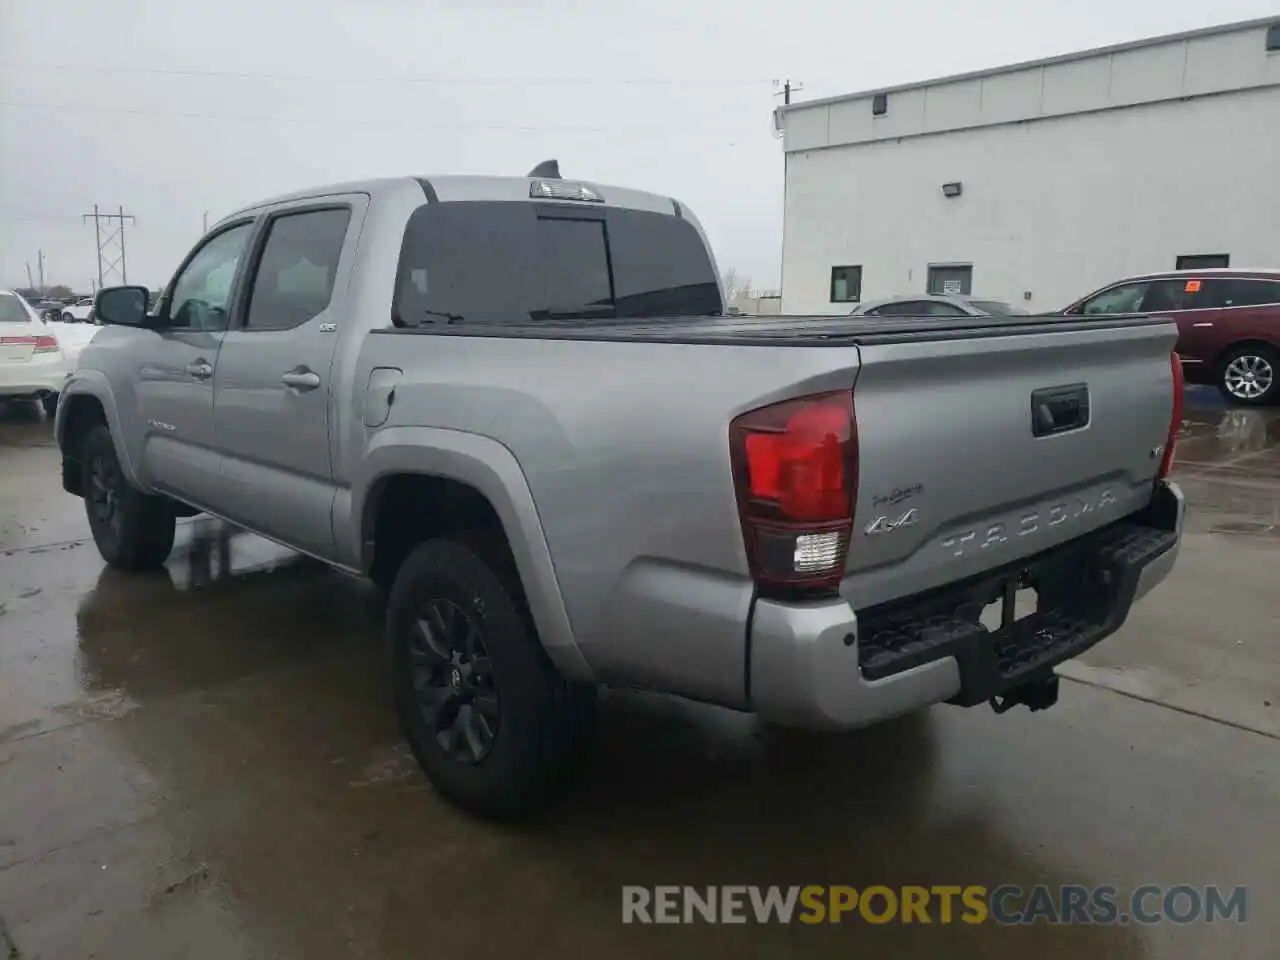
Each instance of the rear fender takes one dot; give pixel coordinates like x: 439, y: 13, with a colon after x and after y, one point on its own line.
x: 490, y: 468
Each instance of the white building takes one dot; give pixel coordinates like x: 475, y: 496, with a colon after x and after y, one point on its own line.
x: 1039, y: 182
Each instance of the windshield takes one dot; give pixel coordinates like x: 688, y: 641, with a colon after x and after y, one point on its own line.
x: 12, y: 309
x: 511, y: 263
x: 995, y: 308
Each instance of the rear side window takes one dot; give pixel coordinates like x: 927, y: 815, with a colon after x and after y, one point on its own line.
x: 295, y: 274
x: 512, y: 263
x: 1182, y: 293
x: 909, y: 308
x: 1251, y: 293
x: 12, y: 310
x: 997, y: 308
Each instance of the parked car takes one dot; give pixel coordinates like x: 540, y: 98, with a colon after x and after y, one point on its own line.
x: 935, y: 305
x: 45, y: 308
x: 515, y: 403
x: 79, y: 312
x: 32, y: 364
x: 1228, y: 324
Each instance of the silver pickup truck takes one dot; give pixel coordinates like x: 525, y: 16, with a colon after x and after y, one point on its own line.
x: 518, y: 405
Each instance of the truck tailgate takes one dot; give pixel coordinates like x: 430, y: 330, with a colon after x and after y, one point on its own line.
x: 953, y: 476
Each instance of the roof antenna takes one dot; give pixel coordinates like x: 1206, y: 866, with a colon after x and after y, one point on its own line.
x: 548, y: 169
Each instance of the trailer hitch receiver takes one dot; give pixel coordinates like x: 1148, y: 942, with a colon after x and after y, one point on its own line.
x: 1038, y: 694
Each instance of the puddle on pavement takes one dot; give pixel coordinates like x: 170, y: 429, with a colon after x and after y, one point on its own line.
x: 1211, y: 436
x: 227, y: 605
x: 23, y: 424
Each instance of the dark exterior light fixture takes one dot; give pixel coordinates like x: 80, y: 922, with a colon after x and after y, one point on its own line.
x: 952, y: 189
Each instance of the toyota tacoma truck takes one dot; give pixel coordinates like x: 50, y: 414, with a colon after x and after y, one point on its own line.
x: 518, y: 405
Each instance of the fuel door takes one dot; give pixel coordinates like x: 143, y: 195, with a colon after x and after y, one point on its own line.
x: 380, y: 395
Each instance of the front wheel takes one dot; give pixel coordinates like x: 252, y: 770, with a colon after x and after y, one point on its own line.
x: 68, y: 318
x: 133, y: 531
x: 493, y: 724
x: 1250, y: 375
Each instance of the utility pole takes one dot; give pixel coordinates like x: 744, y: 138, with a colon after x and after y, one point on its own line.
x: 206, y: 221
x: 787, y: 89
x: 111, y: 249
x: 31, y: 284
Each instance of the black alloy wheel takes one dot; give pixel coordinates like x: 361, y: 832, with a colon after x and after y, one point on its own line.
x: 452, y: 678
x: 105, y: 487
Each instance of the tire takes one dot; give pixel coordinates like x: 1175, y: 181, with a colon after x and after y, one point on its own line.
x: 49, y: 403
x: 1250, y: 375
x: 458, y: 629
x: 133, y: 531
x: 68, y: 318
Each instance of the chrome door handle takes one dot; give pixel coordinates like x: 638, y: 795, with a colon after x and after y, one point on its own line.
x: 300, y: 379
x: 201, y: 369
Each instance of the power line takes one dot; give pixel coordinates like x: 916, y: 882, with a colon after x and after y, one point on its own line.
x: 330, y: 121
x: 111, y: 246
x: 449, y: 81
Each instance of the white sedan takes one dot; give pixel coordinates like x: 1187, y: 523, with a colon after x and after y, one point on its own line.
x: 32, y: 364
x: 77, y: 312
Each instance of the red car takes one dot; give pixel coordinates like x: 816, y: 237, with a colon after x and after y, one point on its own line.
x: 1228, y: 324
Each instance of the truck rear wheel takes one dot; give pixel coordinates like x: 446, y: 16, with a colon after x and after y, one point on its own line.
x: 133, y: 531
x: 493, y: 724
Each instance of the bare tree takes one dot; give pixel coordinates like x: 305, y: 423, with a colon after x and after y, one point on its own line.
x: 735, y: 284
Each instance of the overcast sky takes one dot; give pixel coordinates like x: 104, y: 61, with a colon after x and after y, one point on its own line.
x: 172, y: 108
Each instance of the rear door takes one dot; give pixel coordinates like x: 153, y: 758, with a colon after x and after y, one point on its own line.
x: 272, y: 394
x: 1250, y: 311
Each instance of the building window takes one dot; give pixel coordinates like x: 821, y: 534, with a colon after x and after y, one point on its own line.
x: 880, y: 104
x: 1203, y: 261
x: 1273, y: 37
x: 846, y: 284
x: 948, y: 279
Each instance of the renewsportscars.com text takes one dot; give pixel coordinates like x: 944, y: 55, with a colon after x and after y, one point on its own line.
x: 942, y: 904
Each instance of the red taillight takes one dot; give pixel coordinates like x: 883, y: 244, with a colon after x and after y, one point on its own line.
x: 795, y: 469
x: 40, y: 344
x: 1175, y: 418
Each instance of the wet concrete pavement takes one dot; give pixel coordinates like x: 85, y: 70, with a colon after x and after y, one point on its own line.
x: 203, y: 763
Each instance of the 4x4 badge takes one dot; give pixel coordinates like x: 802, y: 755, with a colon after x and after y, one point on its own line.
x: 884, y: 525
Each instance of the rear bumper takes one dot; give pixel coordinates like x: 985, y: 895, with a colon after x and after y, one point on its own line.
x: 823, y: 665
x: 40, y: 374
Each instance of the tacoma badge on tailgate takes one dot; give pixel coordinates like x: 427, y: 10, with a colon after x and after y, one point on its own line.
x: 1054, y: 515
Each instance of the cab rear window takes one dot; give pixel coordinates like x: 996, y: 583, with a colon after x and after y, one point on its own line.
x: 516, y: 263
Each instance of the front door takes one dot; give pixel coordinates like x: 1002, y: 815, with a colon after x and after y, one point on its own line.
x: 174, y: 367
x: 273, y: 385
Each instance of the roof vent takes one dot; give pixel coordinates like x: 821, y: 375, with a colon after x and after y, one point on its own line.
x: 547, y: 170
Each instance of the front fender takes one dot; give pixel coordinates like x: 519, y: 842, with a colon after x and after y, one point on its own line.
x: 491, y: 468
x: 94, y: 383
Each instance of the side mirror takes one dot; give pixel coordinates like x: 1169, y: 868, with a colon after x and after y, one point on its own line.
x: 122, y: 306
